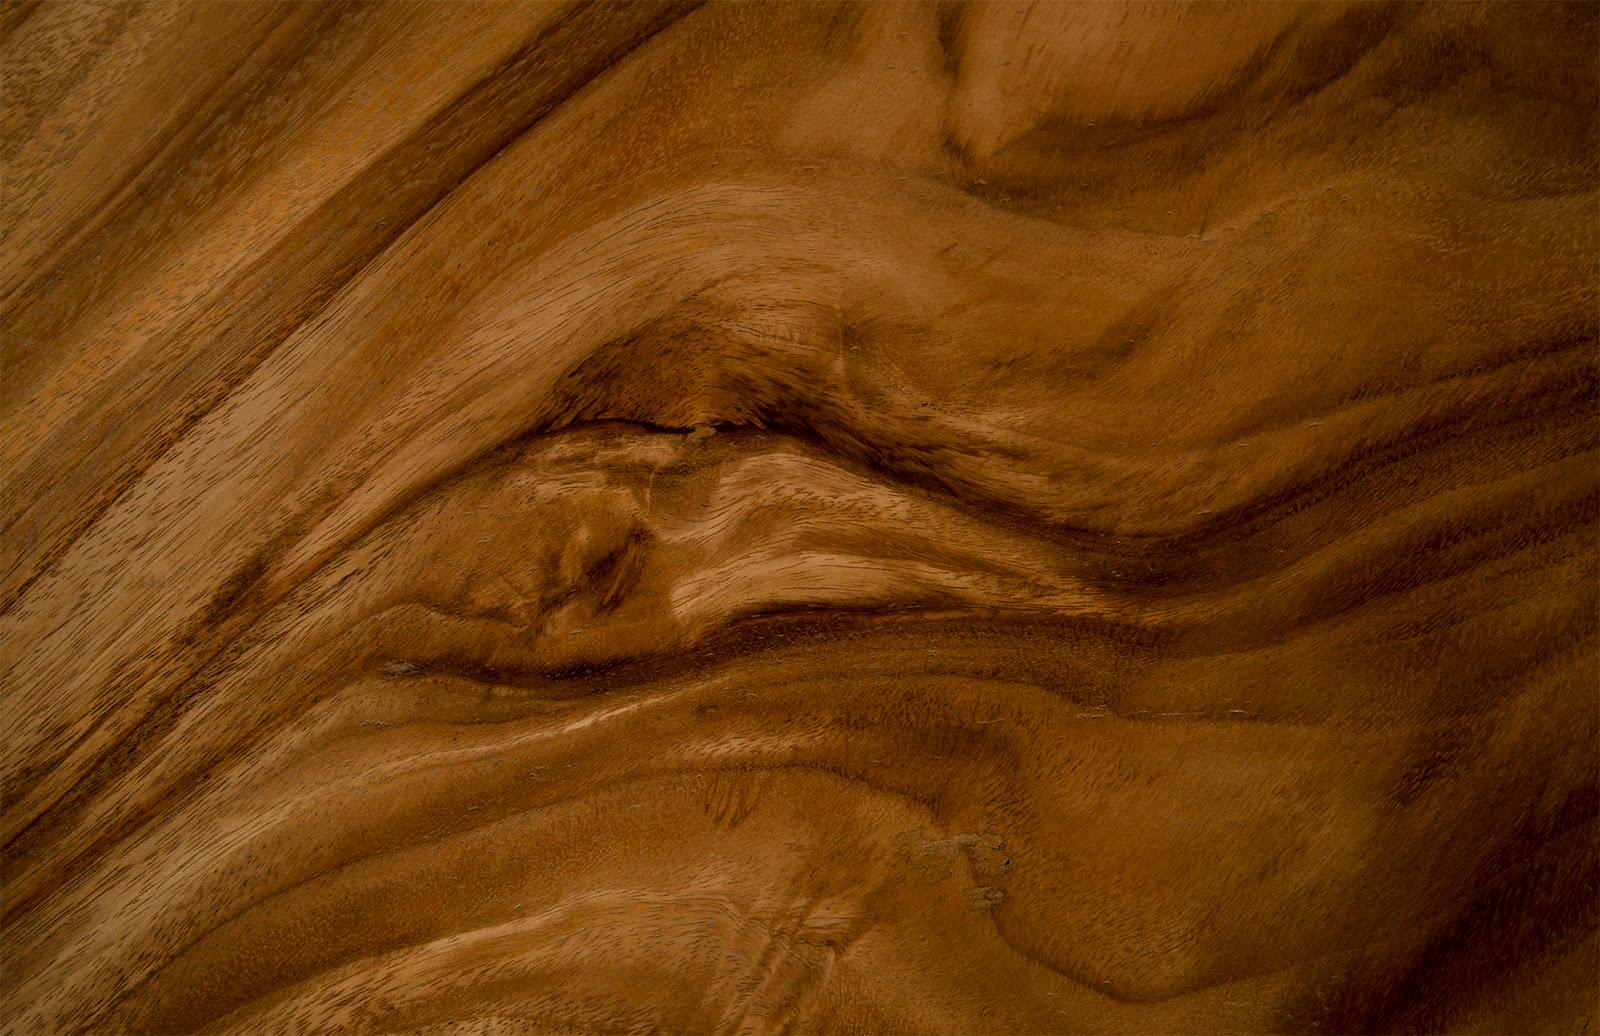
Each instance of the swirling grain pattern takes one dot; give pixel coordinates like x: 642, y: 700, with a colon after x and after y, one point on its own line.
x: 888, y: 517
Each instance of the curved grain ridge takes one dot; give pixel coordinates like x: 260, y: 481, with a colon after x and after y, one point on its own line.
x: 874, y: 517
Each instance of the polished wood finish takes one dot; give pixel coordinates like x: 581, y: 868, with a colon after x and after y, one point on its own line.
x: 799, y: 517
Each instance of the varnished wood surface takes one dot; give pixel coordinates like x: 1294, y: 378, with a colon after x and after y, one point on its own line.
x: 806, y: 518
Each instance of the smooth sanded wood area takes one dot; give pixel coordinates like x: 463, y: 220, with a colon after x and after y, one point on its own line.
x: 884, y: 518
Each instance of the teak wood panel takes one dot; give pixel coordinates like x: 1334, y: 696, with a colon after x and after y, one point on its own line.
x: 896, y: 517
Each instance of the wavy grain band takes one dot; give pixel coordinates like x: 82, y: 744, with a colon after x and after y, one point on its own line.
x: 799, y: 517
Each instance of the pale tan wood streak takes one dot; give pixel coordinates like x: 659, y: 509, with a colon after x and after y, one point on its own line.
x: 799, y: 517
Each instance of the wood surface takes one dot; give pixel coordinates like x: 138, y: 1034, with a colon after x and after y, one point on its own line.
x: 889, y: 518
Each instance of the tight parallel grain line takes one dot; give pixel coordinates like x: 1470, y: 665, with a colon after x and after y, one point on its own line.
x: 363, y: 219
x: 864, y: 517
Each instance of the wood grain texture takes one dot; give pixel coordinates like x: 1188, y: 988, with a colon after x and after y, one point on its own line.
x: 797, y: 517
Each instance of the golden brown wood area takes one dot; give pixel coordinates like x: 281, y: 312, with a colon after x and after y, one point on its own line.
x: 811, y: 518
